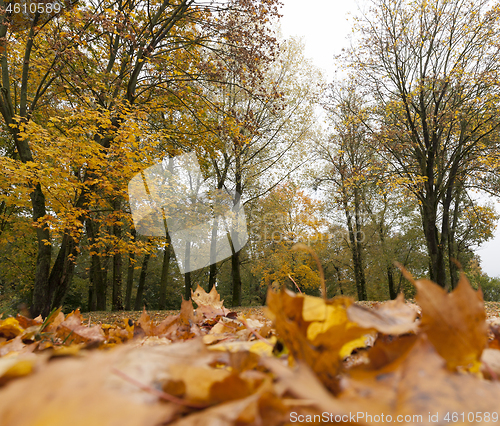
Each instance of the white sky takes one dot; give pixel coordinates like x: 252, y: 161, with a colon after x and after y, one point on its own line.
x: 324, y: 26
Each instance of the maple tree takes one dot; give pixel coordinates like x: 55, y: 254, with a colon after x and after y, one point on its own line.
x: 351, y: 162
x: 286, y: 216
x: 431, y: 71
x: 103, y: 71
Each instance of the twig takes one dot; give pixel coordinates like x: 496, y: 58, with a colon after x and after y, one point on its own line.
x: 405, y: 273
x: 293, y: 281
x: 156, y: 392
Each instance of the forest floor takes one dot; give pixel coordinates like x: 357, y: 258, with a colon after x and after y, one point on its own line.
x: 106, y: 317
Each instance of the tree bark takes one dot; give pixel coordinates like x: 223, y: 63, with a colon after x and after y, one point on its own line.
x: 142, y: 283
x: 339, y: 279
x: 167, y: 252
x: 236, y: 278
x: 187, y: 275
x: 235, y: 258
x: 436, y: 251
x: 96, y: 271
x: 452, y: 244
x: 41, y: 292
x: 130, y: 274
x: 356, y: 245
x: 213, y: 252
x: 117, y: 304
x: 62, y: 270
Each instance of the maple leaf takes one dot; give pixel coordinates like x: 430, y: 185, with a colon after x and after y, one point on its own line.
x: 10, y: 328
x: 316, y: 331
x: 209, y: 304
x: 71, y: 328
x: 454, y: 322
x: 392, y: 317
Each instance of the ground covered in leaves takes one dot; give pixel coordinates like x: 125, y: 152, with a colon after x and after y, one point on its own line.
x: 301, y: 359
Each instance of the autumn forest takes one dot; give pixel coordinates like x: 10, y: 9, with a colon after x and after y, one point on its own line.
x: 382, y: 165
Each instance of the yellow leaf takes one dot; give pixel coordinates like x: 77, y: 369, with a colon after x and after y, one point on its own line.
x: 10, y: 328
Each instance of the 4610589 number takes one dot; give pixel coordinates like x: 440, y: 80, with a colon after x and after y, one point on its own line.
x: 33, y: 7
x: 472, y: 417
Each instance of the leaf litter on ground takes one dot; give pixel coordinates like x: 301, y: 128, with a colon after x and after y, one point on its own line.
x: 304, y: 356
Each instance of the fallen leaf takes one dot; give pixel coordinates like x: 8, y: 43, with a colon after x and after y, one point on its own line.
x: 491, y: 362
x: 392, y: 317
x: 212, y: 299
x: 77, y: 391
x: 72, y: 330
x: 261, y: 408
x: 454, y: 322
x: 10, y: 328
x: 316, y: 331
x: 16, y: 366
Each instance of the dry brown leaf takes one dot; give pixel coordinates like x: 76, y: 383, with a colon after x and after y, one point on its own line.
x: 72, y: 331
x: 212, y: 299
x: 165, y: 325
x: 76, y: 391
x: 495, y: 331
x: 187, y: 313
x: 419, y: 383
x: 454, y: 322
x: 238, y: 381
x: 427, y: 386
x: 25, y: 322
x: 416, y: 384
x: 392, y: 317
x: 316, y: 331
x: 53, y: 321
x: 146, y: 324
x: 491, y: 362
x: 302, y: 383
x: 260, y: 408
x: 385, y: 351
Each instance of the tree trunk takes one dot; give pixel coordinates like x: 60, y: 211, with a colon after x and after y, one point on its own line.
x: 356, y: 246
x: 339, y: 279
x: 437, y: 270
x: 142, y: 282
x: 164, y: 273
x: 117, y: 283
x: 101, y: 283
x: 62, y: 270
x: 452, y: 244
x: 389, y: 269
x: 187, y: 275
x: 117, y: 304
x: 92, y: 296
x: 213, y: 252
x: 41, y: 292
x: 236, y: 278
x: 130, y: 274
x: 96, y: 271
x: 390, y: 280
x: 235, y: 258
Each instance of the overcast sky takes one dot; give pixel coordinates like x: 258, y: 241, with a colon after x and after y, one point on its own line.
x: 324, y: 26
